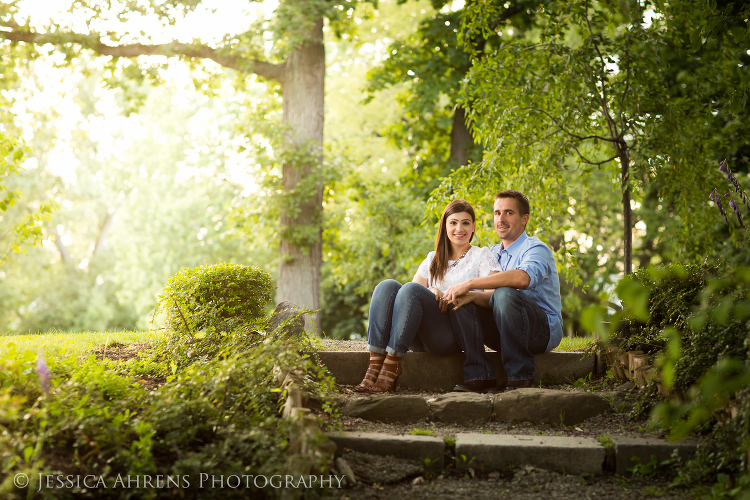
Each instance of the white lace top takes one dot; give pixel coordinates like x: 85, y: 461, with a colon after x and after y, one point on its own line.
x: 477, y: 263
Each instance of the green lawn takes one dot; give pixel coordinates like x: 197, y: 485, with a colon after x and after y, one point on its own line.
x: 61, y: 344
x: 574, y: 344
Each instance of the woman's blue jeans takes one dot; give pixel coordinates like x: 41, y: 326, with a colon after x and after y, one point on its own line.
x: 404, y: 317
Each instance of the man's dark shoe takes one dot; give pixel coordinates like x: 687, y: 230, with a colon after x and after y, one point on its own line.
x: 518, y: 384
x: 480, y: 386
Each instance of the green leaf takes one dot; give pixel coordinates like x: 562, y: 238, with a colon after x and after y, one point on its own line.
x: 695, y: 40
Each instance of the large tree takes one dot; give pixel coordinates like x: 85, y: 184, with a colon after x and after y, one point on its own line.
x: 296, y: 62
x: 598, y: 93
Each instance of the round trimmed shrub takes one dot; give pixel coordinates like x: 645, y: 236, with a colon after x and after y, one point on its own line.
x: 220, y: 297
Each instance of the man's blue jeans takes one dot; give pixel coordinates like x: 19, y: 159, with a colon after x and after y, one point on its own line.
x: 404, y: 317
x: 515, y: 326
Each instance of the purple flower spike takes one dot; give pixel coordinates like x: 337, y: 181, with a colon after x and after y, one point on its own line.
x: 736, y: 211
x: 723, y: 166
x: 713, y: 195
x: 42, y: 370
x: 721, y: 209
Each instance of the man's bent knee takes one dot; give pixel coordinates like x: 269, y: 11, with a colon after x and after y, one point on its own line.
x: 503, y: 296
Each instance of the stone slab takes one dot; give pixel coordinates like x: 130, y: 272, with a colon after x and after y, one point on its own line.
x: 627, y: 448
x: 423, y: 371
x: 400, y: 446
x: 387, y: 408
x: 549, y: 406
x: 460, y: 407
x: 572, y: 455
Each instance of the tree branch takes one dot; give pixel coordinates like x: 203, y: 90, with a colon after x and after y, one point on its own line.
x: 64, y: 254
x: 507, y: 14
x: 103, y: 231
x: 603, y: 97
x: 571, y: 134
x: 10, y: 30
x: 597, y: 163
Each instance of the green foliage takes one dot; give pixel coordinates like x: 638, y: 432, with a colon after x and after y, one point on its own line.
x: 429, y: 65
x: 422, y: 432
x: 605, y: 441
x: 220, y: 417
x: 707, y: 314
x: 221, y: 297
x: 697, y: 325
x: 28, y: 231
x: 378, y: 228
x: 651, y: 468
x: 450, y: 441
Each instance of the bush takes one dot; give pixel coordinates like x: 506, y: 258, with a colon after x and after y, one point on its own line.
x: 221, y: 297
x: 694, y: 301
x: 218, y: 418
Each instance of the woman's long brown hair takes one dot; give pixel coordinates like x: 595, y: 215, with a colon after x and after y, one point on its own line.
x: 439, y: 264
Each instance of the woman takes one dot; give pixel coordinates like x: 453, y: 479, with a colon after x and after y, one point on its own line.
x: 413, y: 316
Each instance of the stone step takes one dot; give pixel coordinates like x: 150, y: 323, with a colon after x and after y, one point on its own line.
x: 500, y: 452
x: 495, y: 452
x: 532, y: 404
x: 423, y: 371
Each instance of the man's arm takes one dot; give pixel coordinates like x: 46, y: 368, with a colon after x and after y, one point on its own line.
x: 514, y: 278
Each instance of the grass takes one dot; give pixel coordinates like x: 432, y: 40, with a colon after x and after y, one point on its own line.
x: 568, y: 344
x: 573, y: 344
x: 62, y: 344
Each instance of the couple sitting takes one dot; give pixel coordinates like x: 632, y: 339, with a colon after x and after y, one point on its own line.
x: 465, y: 297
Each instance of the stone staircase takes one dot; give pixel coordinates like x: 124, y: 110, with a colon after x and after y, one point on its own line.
x: 477, y: 445
x: 423, y: 371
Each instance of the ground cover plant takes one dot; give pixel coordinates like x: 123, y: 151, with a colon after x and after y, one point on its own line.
x: 694, y: 322
x: 213, y: 414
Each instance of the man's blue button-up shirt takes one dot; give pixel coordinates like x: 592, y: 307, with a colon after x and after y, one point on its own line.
x: 530, y: 254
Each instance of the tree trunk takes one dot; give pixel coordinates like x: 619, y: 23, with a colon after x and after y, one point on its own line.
x: 461, y: 138
x: 627, y: 223
x: 300, y: 259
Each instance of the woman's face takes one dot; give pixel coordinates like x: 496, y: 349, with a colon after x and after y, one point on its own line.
x: 459, y: 228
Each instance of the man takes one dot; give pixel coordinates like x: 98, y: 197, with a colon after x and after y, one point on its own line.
x: 522, y: 316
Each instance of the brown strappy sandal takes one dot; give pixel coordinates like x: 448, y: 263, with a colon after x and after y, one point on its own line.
x: 389, y: 373
x: 371, y: 376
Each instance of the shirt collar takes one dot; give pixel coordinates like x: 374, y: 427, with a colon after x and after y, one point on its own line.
x: 516, y: 244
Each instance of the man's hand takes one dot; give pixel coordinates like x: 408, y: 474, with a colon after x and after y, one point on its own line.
x: 455, y: 292
x: 439, y: 298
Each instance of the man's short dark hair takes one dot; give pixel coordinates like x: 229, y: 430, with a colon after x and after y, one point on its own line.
x: 523, y: 202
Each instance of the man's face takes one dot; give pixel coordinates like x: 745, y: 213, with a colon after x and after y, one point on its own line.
x: 509, y: 223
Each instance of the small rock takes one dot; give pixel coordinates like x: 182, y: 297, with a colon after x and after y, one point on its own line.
x: 460, y: 407
x: 418, y: 480
x: 626, y: 387
x: 288, y: 319
x: 388, y: 408
x: 550, y: 406
x: 377, y: 470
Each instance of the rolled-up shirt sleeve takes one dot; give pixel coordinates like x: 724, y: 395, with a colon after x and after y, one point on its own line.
x: 538, y: 262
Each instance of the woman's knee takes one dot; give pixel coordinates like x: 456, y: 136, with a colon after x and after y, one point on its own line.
x: 411, y: 289
x: 387, y: 287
